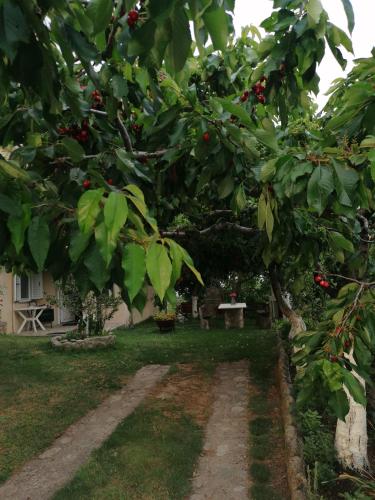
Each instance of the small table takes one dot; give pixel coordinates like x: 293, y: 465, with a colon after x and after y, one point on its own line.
x: 233, y: 314
x: 30, y: 314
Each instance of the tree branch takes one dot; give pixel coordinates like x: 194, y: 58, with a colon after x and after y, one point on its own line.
x: 124, y: 133
x: 220, y: 226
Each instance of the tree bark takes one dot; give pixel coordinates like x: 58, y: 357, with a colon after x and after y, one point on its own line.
x: 297, y: 325
x: 194, y: 306
x: 351, y: 434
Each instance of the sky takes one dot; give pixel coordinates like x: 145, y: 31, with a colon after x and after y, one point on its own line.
x: 253, y: 12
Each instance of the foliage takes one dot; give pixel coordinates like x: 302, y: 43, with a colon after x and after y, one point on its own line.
x: 318, y: 445
x: 92, y: 311
x: 164, y: 316
x: 341, y: 347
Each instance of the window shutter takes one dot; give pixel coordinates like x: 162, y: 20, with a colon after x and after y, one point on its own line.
x: 36, y: 286
x: 17, y: 288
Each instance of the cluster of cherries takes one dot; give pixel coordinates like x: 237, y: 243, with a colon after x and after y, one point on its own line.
x: 97, y: 98
x: 258, y: 90
x: 133, y: 17
x: 86, y: 184
x: 80, y: 134
x: 321, y: 281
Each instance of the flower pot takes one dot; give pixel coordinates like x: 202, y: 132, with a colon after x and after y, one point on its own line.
x: 165, y: 325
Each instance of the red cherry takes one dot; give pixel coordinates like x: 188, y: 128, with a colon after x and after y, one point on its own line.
x: 333, y: 358
x: 318, y: 278
x: 347, y: 344
x: 86, y: 183
x: 243, y: 98
x: 206, y: 137
x: 110, y: 182
x: 338, y: 330
x: 133, y: 14
x: 324, y: 284
x: 83, y: 136
x: 261, y: 99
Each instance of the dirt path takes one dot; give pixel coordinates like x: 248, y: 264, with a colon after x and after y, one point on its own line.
x: 223, y: 469
x: 40, y: 478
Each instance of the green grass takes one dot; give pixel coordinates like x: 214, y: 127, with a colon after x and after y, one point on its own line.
x: 149, y: 456
x: 43, y: 391
x: 260, y: 472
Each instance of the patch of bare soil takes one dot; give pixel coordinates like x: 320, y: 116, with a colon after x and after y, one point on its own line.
x: 190, y: 389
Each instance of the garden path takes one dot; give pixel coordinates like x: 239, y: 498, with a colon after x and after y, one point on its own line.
x: 42, y: 476
x: 223, y: 469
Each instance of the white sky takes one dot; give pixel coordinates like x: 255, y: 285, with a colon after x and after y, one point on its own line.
x: 254, y: 12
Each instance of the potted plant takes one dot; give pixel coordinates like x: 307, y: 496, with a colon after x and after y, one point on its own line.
x: 165, y: 320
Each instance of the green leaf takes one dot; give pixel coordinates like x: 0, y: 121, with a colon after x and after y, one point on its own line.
x: 78, y: 245
x: 355, y: 388
x: 115, y: 214
x: 12, y: 168
x: 10, y: 206
x: 177, y: 259
x: 74, y: 149
x: 159, y: 268
x: 106, y: 242
x: 216, y: 22
x: 262, y: 208
x: 349, y: 14
x: 180, y: 43
x: 88, y: 209
x: 268, y: 170
x: 17, y: 226
x: 97, y: 269
x: 314, y: 10
x: 319, y: 187
x: 339, y: 241
x: 269, y: 221
x: 239, y: 200
x: 226, y: 186
x: 190, y: 264
x: 16, y: 26
x: 100, y: 13
x: 134, y: 266
x: 346, y: 183
x: 39, y: 240
x: 339, y: 404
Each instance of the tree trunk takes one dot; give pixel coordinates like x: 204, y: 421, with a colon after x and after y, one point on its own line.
x: 297, y: 325
x: 194, y: 306
x: 351, y: 434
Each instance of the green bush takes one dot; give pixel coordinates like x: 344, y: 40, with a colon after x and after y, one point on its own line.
x: 318, y: 445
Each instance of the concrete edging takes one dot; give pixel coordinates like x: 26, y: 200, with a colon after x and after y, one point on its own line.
x: 62, y: 343
x: 293, y: 444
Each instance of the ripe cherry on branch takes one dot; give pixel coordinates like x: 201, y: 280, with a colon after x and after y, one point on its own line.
x: 132, y: 18
x: 324, y: 284
x: 86, y: 184
x: 318, y: 278
x: 206, y: 137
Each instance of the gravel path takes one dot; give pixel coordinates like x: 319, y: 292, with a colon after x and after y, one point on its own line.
x: 40, y: 478
x: 223, y: 469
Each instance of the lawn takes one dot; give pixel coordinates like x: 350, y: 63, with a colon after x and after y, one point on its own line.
x: 42, y: 392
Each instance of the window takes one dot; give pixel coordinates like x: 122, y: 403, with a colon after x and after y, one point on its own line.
x: 28, y: 287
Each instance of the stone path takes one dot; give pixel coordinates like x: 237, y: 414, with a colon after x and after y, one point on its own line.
x: 40, y: 478
x: 223, y: 469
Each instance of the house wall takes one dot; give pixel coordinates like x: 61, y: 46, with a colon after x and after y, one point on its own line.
x: 13, y: 321
x: 123, y: 317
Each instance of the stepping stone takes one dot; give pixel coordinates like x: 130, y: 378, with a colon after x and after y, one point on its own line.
x: 223, y: 468
x: 44, y: 475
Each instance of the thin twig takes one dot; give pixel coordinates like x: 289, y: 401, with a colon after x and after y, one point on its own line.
x: 124, y: 133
